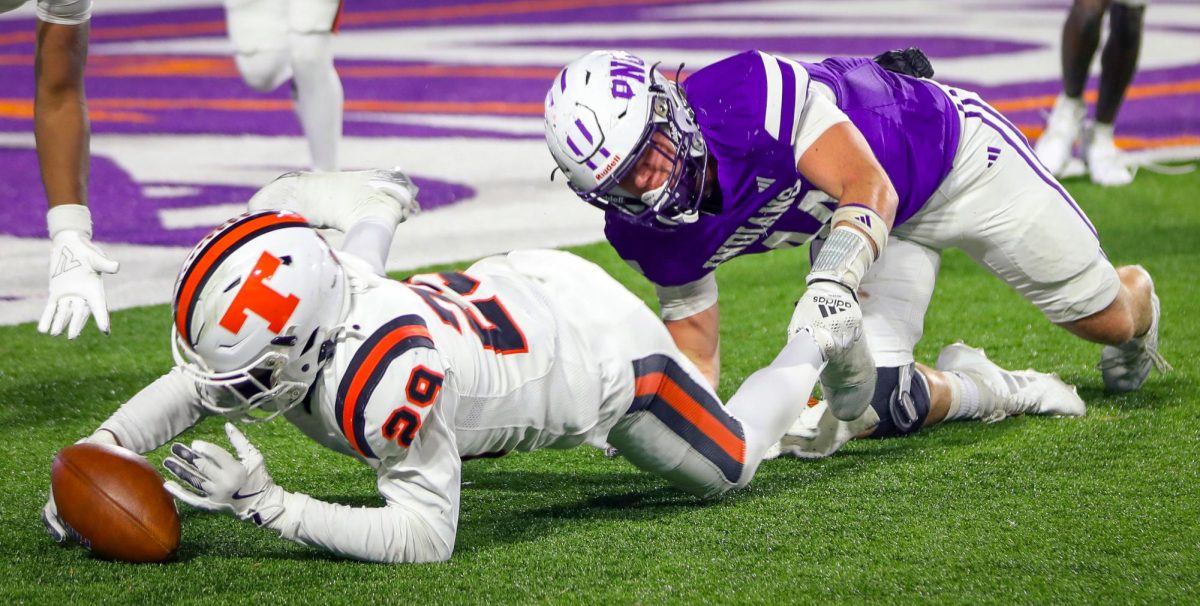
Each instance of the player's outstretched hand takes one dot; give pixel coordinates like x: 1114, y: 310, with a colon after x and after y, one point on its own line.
x: 240, y: 486
x: 834, y: 316
x: 76, y: 290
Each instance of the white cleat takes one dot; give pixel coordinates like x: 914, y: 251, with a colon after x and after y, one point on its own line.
x: 1126, y: 367
x: 1054, y: 148
x: 816, y: 434
x: 1009, y: 393
x: 1106, y: 164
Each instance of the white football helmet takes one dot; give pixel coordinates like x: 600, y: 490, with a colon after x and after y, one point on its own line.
x: 601, y: 113
x: 257, y: 306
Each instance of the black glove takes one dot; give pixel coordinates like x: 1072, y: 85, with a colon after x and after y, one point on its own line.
x: 910, y: 62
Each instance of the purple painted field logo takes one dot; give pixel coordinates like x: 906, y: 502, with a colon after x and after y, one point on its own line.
x: 627, y: 66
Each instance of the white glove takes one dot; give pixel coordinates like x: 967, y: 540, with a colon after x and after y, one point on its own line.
x: 54, y: 524
x: 339, y: 200
x: 75, y: 267
x: 55, y: 527
x: 818, y: 434
x: 833, y: 315
x: 240, y: 486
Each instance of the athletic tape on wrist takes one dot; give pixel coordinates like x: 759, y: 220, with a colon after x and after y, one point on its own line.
x: 75, y: 217
x: 856, y: 240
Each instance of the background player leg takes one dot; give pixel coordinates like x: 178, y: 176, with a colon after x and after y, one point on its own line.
x: 1080, y: 37
x: 1118, y: 62
x: 319, y: 96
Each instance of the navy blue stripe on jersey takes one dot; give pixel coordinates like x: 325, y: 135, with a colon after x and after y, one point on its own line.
x: 368, y: 367
x: 667, y: 391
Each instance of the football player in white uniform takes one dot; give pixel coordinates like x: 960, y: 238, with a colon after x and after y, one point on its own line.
x: 534, y: 349
x: 280, y: 40
x: 60, y: 124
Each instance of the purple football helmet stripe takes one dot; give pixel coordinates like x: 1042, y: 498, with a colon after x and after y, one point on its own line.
x: 562, y: 81
x: 574, y: 148
x: 583, y: 129
x: 604, y: 151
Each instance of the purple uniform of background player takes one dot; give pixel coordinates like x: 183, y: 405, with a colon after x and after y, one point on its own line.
x: 910, y: 124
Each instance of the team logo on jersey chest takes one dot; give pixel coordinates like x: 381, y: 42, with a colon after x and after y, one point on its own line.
x: 755, y: 227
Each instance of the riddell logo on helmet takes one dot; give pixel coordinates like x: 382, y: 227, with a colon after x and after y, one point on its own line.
x: 608, y: 168
x: 627, y: 66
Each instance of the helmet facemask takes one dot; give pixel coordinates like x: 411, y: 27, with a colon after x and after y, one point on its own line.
x: 677, y: 200
x: 256, y: 393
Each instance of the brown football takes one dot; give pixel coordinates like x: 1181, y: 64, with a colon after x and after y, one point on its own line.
x: 114, y: 503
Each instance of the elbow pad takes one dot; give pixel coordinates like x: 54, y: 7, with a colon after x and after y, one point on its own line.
x: 687, y: 300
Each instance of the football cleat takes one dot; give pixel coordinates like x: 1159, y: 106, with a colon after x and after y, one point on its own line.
x: 816, y: 433
x: 1126, y: 367
x: 1055, y: 146
x: 1005, y: 393
x: 1104, y: 162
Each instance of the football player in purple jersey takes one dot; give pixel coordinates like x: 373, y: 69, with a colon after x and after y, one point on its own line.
x: 881, y: 171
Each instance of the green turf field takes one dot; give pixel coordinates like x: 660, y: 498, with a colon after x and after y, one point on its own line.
x: 1103, y: 509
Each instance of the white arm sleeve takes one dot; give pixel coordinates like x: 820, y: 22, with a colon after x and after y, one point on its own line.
x: 156, y: 414
x: 370, y: 240
x: 391, y: 534
x: 687, y: 300
x: 64, y: 12
x: 820, y: 113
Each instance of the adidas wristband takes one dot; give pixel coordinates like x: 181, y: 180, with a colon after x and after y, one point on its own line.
x: 856, y: 240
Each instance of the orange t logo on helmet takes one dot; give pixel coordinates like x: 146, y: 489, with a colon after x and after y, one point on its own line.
x: 261, y: 299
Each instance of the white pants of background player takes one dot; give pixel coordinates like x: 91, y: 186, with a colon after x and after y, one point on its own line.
x: 280, y: 40
x: 1002, y: 208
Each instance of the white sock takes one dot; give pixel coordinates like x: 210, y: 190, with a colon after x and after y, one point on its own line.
x: 319, y: 96
x: 1102, y: 134
x: 772, y: 398
x: 1075, y: 105
x: 965, y: 399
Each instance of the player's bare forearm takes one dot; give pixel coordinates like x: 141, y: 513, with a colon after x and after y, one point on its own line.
x: 60, y: 111
x: 841, y: 164
x: 698, y: 337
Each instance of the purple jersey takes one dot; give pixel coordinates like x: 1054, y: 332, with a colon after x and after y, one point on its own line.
x: 748, y: 108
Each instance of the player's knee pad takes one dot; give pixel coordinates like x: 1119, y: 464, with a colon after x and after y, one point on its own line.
x: 264, y: 70
x: 901, y: 400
